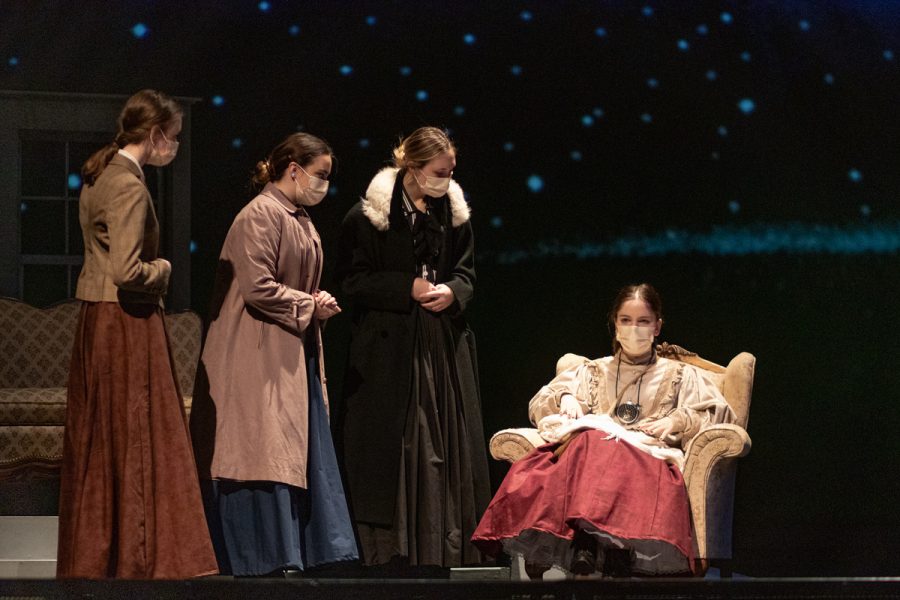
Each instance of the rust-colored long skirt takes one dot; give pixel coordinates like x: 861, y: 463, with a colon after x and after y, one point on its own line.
x: 129, y: 503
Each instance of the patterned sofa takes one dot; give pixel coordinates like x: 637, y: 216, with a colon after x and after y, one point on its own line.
x: 35, y: 348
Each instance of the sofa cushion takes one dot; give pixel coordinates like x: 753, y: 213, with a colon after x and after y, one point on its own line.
x: 25, y: 444
x: 33, y: 406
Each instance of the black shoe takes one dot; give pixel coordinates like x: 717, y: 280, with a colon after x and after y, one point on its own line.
x: 535, y: 571
x: 584, y: 555
x: 584, y: 562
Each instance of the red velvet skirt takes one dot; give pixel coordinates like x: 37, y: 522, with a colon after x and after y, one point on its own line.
x: 625, y: 498
x: 129, y: 503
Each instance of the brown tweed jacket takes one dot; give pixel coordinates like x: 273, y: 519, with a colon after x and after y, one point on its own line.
x: 121, y: 239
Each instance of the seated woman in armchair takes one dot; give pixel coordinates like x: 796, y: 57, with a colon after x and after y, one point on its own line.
x: 607, y: 493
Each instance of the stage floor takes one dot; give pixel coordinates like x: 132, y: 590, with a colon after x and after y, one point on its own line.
x: 434, y: 589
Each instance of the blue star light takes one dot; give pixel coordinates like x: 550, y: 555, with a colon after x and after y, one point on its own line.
x: 722, y: 131
x: 13, y: 61
x: 508, y: 146
x: 702, y: 29
x: 854, y: 175
x: 600, y: 32
x: 496, y: 222
x: 746, y: 105
x: 74, y: 181
x: 469, y: 39
x: 139, y: 31
x: 421, y: 95
x: 371, y: 20
x: 647, y: 118
x: 746, y: 57
x: 734, y: 207
x: 587, y: 120
x: 459, y: 110
x: 828, y: 78
x: 405, y: 71
x: 346, y: 70
x: 535, y: 183
x: 23, y: 207
x: 516, y: 70
x: 726, y: 18
x: 647, y: 11
x: 332, y: 190
x: 218, y: 100
x: 652, y: 83
x: 683, y: 45
x: 237, y: 143
x: 526, y: 15
x: 364, y: 143
x: 888, y: 54
x: 294, y: 30
x: 575, y: 155
x: 803, y: 25
x: 193, y: 247
x: 865, y: 210
x: 598, y: 112
x: 264, y: 6
x: 712, y: 75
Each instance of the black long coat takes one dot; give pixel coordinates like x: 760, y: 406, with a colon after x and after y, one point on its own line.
x: 375, y: 272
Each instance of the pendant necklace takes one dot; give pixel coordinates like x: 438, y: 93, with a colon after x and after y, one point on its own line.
x: 630, y: 412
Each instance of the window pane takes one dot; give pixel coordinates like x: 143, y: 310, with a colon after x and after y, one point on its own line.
x: 79, y: 152
x: 43, y: 168
x: 45, y: 284
x: 76, y: 239
x: 43, y: 227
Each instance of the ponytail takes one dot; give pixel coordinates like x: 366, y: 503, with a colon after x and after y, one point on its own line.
x: 97, y: 162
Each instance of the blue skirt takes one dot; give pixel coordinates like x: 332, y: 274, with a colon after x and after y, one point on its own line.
x: 258, y: 527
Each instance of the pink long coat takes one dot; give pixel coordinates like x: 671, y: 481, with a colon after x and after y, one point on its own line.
x: 253, y: 421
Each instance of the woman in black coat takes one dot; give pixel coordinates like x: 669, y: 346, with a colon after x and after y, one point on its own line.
x: 413, y: 444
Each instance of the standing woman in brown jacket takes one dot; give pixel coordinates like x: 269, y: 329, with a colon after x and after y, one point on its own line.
x: 130, y: 504
x: 273, y: 492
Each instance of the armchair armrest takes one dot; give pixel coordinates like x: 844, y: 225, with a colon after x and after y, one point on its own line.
x: 713, y: 444
x: 709, y: 470
x: 512, y: 444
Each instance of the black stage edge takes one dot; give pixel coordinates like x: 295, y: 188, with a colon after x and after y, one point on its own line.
x: 434, y: 589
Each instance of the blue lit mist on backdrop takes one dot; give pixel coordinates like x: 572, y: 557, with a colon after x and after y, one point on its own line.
x: 742, y: 156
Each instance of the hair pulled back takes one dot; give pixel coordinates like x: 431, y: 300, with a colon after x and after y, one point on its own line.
x: 301, y: 148
x: 641, y: 291
x: 141, y: 113
x: 421, y: 146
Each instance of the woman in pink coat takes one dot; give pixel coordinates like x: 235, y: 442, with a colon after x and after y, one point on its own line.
x: 274, y: 499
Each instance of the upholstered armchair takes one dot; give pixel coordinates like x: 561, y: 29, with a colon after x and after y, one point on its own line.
x: 710, y: 458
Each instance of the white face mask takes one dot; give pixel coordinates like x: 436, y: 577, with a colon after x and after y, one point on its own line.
x: 161, y: 159
x: 635, y: 339
x: 435, y: 187
x: 313, y: 193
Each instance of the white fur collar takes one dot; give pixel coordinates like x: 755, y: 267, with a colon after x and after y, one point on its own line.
x: 377, y: 203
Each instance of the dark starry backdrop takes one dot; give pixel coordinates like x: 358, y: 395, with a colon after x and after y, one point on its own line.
x: 742, y: 156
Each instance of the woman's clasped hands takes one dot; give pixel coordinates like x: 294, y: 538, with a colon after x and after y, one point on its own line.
x: 326, y: 305
x: 432, y: 297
